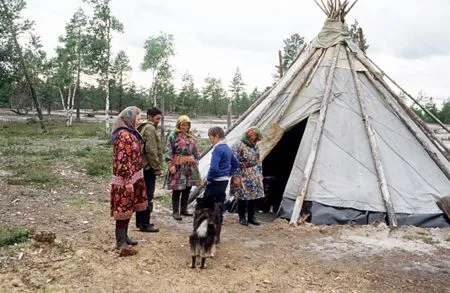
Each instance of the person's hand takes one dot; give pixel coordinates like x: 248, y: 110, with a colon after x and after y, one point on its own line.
x: 129, y: 188
x: 172, y: 169
x: 236, y: 180
x: 157, y: 172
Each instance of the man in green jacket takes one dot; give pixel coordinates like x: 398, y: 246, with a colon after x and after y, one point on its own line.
x: 151, y: 163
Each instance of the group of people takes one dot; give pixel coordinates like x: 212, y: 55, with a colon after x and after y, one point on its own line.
x: 138, y: 158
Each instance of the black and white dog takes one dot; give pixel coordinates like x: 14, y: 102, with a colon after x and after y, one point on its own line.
x: 207, y: 227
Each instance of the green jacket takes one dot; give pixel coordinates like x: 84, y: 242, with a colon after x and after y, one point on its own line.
x: 151, y: 148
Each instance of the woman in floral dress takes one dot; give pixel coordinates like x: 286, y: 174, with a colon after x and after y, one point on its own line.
x: 128, y: 193
x: 248, y: 184
x: 182, y: 156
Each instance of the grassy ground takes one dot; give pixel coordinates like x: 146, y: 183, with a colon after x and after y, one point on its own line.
x: 55, y: 190
x: 33, y: 158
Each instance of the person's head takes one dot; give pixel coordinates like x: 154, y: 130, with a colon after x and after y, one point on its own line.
x: 253, y: 135
x: 183, y: 124
x: 130, y: 116
x: 154, y: 115
x: 216, y: 134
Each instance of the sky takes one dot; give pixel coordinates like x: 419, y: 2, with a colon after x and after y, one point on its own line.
x: 408, y: 39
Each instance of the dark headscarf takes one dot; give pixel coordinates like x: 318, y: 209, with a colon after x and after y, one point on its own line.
x: 125, y: 120
x: 251, y: 132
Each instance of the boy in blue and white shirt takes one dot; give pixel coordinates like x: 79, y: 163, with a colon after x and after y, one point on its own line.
x: 223, y: 165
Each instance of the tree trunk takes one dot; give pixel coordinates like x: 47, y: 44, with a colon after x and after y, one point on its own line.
x: 62, y: 98
x: 26, y: 73
x: 76, y: 95
x: 153, y: 89
x: 77, y: 84
x: 163, y: 110
x: 107, y: 127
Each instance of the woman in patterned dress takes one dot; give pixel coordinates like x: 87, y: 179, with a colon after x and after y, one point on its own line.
x: 128, y: 193
x: 182, y: 156
x: 248, y: 184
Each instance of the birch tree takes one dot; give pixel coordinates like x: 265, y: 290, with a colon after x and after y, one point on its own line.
x: 158, y: 50
x: 101, y: 28
x: 121, y: 67
x: 13, y: 27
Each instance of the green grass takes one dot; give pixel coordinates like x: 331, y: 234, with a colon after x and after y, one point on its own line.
x: 35, y: 158
x: 77, y: 202
x: 11, y: 236
x: 55, y: 129
x: 165, y: 200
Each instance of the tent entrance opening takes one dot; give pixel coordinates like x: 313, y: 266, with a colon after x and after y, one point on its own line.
x: 277, y: 166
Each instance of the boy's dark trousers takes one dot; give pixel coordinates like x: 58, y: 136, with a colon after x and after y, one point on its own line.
x: 143, y: 217
x: 216, y: 190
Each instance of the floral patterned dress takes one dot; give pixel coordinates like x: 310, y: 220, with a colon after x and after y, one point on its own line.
x: 182, y: 152
x: 250, y: 170
x: 127, y: 168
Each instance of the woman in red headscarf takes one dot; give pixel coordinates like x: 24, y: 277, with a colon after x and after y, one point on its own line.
x: 128, y: 193
x: 248, y: 184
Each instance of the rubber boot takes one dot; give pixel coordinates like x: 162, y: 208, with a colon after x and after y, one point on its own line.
x: 251, y: 206
x: 176, y: 206
x: 121, y: 243
x: 242, y: 209
x: 145, y: 225
x: 127, y: 239
x: 184, y: 203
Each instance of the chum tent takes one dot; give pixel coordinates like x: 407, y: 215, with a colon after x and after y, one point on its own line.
x: 342, y: 146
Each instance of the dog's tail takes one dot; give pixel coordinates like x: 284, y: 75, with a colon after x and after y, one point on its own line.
x: 202, y: 229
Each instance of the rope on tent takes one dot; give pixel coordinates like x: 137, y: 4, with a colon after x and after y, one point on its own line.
x: 373, y: 147
x: 316, y: 139
x: 428, y: 132
x: 405, y: 121
x: 411, y: 97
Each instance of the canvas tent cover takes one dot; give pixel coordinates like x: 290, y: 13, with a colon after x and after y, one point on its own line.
x: 344, y: 179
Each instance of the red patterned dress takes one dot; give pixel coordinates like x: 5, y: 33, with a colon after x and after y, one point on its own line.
x: 127, y: 168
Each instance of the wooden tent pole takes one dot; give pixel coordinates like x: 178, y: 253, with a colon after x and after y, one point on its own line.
x: 374, y: 147
x: 428, y: 132
x: 405, y: 121
x: 280, y: 64
x: 297, y: 55
x: 411, y: 97
x: 315, y: 69
x: 313, y: 54
x: 308, y: 72
x: 316, y: 139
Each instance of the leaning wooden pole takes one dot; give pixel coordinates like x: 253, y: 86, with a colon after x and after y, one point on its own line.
x: 307, y: 74
x: 374, y: 148
x: 316, y: 139
x: 419, y: 122
x: 297, y: 55
x: 411, y: 97
x: 398, y: 112
x: 313, y: 54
